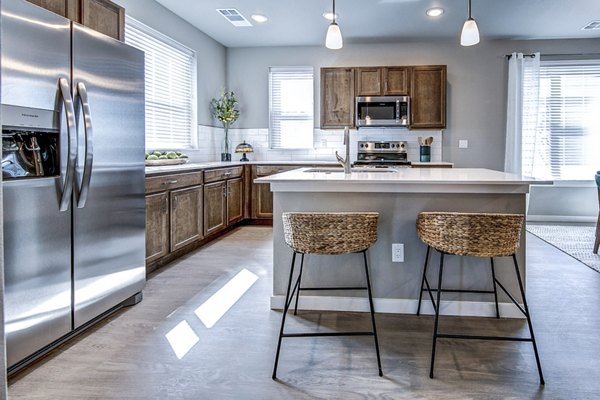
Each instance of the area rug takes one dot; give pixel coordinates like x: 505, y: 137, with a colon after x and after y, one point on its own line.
x: 575, y: 240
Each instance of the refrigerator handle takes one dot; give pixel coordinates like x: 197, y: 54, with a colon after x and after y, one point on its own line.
x: 89, y: 145
x: 67, y: 189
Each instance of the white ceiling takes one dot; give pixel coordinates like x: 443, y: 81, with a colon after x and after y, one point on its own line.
x: 300, y: 22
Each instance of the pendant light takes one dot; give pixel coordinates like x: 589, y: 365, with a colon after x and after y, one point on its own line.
x: 333, y: 40
x: 470, y: 32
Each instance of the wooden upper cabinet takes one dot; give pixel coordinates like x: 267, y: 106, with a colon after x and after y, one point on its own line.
x: 66, y: 8
x: 103, y: 16
x: 368, y: 81
x: 428, y: 97
x: 382, y: 81
x: 395, y: 81
x: 337, y: 97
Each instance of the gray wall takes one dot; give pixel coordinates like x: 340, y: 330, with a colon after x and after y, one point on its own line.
x: 476, y: 84
x: 211, y: 55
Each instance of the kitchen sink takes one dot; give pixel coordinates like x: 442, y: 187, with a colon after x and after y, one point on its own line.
x: 329, y: 170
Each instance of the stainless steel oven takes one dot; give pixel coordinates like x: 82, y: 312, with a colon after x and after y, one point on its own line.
x: 382, y: 154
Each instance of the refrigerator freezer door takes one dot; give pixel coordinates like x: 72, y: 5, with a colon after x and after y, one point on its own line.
x: 108, y: 231
x: 37, y: 236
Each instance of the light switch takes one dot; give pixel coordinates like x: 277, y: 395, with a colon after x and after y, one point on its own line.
x: 463, y: 144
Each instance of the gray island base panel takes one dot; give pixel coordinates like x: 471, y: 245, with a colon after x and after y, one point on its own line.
x: 398, y: 197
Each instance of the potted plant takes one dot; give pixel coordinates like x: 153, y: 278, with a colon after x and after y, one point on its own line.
x: 225, y: 109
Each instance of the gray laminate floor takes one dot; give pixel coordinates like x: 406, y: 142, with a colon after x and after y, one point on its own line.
x: 129, y: 357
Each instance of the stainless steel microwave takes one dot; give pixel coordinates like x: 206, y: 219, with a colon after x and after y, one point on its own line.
x: 383, y: 111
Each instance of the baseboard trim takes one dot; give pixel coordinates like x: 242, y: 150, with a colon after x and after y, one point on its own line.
x: 560, y: 218
x: 400, y: 306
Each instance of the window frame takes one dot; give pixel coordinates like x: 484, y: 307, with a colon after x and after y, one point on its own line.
x: 291, y: 70
x: 546, y: 118
x: 191, y: 136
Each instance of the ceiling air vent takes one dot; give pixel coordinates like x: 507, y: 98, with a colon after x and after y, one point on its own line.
x: 232, y: 15
x: 591, y: 26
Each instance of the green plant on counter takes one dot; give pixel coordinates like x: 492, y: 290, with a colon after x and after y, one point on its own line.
x: 225, y: 108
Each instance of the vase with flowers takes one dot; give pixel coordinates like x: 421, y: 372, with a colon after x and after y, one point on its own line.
x: 225, y: 109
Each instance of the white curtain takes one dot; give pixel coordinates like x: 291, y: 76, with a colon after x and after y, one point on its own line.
x: 522, y: 112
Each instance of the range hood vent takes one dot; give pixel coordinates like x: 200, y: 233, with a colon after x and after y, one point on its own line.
x: 232, y: 15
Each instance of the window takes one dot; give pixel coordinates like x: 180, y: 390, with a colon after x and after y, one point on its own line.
x: 291, y: 107
x: 567, y: 137
x: 170, y: 87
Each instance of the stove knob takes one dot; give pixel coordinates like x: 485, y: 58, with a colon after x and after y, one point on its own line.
x: 402, y: 146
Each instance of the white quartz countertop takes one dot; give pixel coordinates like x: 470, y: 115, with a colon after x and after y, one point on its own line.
x: 155, y: 170
x: 408, y: 180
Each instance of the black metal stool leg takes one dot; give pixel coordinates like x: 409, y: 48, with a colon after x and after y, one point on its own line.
x: 495, y: 288
x: 535, y: 351
x: 423, y: 280
x: 372, y: 312
x: 437, y: 314
x: 285, y: 309
x: 299, y: 282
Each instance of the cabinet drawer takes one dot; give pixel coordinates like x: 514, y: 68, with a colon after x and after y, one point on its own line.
x: 167, y: 182
x: 213, y: 175
x: 266, y: 170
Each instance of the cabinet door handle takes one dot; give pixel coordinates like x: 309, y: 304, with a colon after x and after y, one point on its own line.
x: 224, y: 191
x: 174, y: 202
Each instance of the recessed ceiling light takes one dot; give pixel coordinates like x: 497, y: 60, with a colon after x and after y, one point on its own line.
x: 259, y: 18
x: 592, y: 25
x: 328, y: 15
x: 435, y: 12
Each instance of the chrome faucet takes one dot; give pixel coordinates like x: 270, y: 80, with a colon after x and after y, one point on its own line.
x: 345, y: 163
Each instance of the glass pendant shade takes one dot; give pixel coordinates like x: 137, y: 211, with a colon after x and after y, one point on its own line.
x: 470, y: 33
x: 333, y: 40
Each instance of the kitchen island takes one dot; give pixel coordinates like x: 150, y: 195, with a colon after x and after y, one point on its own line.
x: 398, y: 196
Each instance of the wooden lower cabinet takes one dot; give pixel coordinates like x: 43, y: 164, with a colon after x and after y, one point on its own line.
x: 157, y: 226
x: 235, y: 200
x: 186, y: 216
x: 262, y: 198
x: 214, y: 207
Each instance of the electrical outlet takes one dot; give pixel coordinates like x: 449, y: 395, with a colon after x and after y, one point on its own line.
x: 397, y: 252
x: 463, y: 144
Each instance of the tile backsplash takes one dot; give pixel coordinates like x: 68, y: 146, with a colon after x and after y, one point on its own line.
x: 326, y: 143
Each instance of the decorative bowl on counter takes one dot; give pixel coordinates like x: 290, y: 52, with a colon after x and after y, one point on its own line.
x: 158, y: 157
x: 153, y: 163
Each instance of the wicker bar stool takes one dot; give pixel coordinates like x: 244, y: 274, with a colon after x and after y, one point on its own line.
x: 327, y: 233
x: 472, y: 234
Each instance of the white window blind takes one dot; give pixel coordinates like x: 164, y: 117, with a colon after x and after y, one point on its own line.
x: 568, y: 126
x: 291, y: 107
x: 170, y: 87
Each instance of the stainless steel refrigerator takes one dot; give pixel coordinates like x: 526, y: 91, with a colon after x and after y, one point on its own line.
x: 73, y: 177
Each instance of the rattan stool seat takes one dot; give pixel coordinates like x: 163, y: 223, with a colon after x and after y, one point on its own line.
x: 327, y: 233
x: 330, y: 233
x: 471, y: 234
